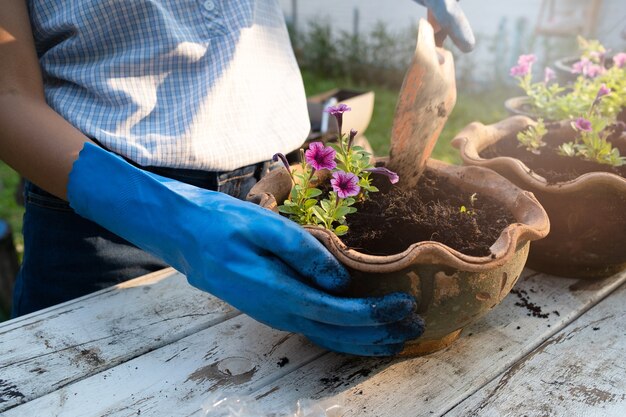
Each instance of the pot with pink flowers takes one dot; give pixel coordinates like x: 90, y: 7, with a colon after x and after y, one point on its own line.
x: 572, y: 156
x: 551, y: 100
x: 456, y: 238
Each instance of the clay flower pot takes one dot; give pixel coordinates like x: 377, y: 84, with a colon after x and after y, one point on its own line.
x: 587, y: 214
x: 451, y: 289
x: 563, y: 69
x: 519, y: 105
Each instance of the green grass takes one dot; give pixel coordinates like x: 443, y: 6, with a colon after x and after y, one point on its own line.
x: 485, y: 107
x: 9, y: 209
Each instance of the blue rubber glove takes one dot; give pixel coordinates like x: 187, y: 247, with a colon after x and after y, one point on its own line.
x: 257, y: 261
x: 452, y: 21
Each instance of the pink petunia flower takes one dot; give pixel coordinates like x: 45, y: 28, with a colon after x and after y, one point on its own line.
x: 548, y: 75
x: 580, y: 66
x: 587, y: 68
x: 527, y: 59
x: 594, y: 70
x: 345, y: 184
x: 597, y: 56
x: 320, y: 156
x: 283, y: 159
x: 583, y: 124
x: 603, y: 91
x: 619, y: 60
x: 339, y: 109
x: 393, y: 177
x: 338, y: 112
x: 520, y: 70
x: 351, y: 137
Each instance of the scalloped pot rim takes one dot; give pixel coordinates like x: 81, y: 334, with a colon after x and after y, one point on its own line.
x: 428, y: 252
x: 532, y: 224
x: 468, y: 147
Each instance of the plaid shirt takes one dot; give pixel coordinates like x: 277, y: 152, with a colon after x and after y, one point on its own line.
x: 200, y: 84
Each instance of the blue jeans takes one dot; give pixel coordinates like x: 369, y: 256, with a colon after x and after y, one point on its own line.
x: 67, y: 256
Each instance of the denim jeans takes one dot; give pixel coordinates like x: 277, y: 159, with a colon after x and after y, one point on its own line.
x: 67, y: 256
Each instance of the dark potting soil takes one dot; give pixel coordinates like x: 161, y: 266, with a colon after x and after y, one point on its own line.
x: 393, y: 219
x: 549, y: 164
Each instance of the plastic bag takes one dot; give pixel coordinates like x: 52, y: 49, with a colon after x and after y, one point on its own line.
x: 243, y: 406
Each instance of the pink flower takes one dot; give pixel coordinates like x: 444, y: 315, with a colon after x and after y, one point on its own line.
x: 338, y: 112
x: 320, y: 156
x: 597, y: 56
x: 587, y: 68
x: 583, y: 124
x: 580, y: 66
x: 520, y: 70
x: 548, y: 75
x: 619, y: 60
x: 592, y: 71
x: 339, y: 109
x: 345, y: 184
x: 351, y: 137
x: 603, y: 91
x: 393, y: 177
x: 527, y: 59
x: 283, y: 159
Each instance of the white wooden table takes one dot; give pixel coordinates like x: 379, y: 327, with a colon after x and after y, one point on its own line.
x: 157, y: 347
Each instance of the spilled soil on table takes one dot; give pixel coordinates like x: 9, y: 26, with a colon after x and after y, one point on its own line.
x: 549, y: 164
x: 393, y: 219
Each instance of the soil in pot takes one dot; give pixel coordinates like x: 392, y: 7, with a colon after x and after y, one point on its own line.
x: 549, y: 164
x: 393, y: 219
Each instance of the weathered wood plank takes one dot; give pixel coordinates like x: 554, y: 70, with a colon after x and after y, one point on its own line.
x: 239, y: 355
x: 177, y: 378
x: 432, y: 385
x: 47, y: 350
x: 580, y: 371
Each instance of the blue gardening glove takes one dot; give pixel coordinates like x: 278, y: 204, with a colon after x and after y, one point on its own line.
x: 262, y: 264
x: 453, y: 22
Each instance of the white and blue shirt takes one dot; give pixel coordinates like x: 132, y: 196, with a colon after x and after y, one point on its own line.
x: 198, y: 84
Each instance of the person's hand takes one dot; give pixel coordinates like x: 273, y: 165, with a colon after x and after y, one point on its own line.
x: 452, y: 22
x: 264, y: 265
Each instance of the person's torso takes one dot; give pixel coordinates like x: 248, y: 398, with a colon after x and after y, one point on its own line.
x: 210, y: 84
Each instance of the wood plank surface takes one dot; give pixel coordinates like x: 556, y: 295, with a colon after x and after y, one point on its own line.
x: 49, y: 349
x: 276, y: 369
x: 237, y: 356
x: 434, y: 384
x: 580, y: 371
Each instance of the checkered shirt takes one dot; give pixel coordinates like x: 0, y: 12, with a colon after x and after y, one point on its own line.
x: 199, y: 84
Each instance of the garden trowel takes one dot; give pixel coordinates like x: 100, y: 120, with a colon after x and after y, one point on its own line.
x: 426, y: 99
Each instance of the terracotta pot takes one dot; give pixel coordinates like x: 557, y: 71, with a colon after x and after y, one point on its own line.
x: 519, y: 105
x: 451, y: 289
x: 587, y: 214
x: 563, y: 69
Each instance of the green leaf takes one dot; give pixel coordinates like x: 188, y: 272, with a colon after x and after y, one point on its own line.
x: 317, y: 211
x: 341, y: 230
x: 312, y: 192
x: 341, y: 211
x: 325, y: 205
x: 288, y: 209
x: 309, y: 203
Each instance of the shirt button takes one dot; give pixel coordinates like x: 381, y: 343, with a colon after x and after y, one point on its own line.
x: 209, y: 5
